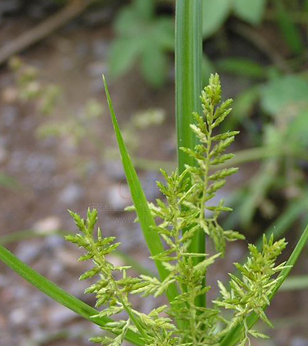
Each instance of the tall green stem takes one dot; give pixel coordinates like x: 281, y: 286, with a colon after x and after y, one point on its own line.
x: 188, y: 59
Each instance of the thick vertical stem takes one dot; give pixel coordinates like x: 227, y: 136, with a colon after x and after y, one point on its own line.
x: 188, y: 57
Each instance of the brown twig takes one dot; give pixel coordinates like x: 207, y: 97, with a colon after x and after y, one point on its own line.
x: 39, y: 32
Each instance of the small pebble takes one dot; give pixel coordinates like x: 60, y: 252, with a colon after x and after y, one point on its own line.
x: 47, y: 225
x: 28, y: 252
x: 55, y: 241
x: 114, y: 170
x: 118, y: 197
x: 71, y: 194
x: 299, y: 341
x: 150, y: 186
x: 9, y: 115
x: 58, y: 315
x: 18, y: 317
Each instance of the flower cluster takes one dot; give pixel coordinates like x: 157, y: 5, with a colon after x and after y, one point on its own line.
x: 186, y: 209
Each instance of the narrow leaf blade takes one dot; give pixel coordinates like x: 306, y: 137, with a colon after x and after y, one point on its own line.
x: 141, y: 205
x: 59, y: 295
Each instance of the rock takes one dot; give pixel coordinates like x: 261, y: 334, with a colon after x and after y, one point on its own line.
x: 129, y: 234
x: 118, y: 197
x: 58, y: 315
x: 149, y: 185
x: 42, y: 164
x: 67, y: 258
x: 78, y: 287
x: 9, y: 115
x: 299, y: 341
x: 114, y: 170
x: 38, y: 168
x: 28, y: 252
x: 47, y: 225
x: 18, y: 317
x: 38, y: 335
x: 19, y: 292
x: 55, y: 270
x: 55, y: 241
x: 71, y: 194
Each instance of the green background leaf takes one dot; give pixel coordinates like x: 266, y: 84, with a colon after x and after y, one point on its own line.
x: 130, y: 48
x: 154, y: 65
x: 283, y: 93
x: 142, y: 39
x: 242, y: 67
x: 289, y: 29
x: 250, y: 10
x: 215, y: 12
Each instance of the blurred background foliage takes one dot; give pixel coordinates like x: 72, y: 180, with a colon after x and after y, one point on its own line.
x: 271, y: 108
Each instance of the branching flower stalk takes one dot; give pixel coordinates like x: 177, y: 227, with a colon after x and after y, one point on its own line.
x: 186, y: 206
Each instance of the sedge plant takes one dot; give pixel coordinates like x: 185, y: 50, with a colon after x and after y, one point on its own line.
x: 175, y: 229
x: 179, y: 218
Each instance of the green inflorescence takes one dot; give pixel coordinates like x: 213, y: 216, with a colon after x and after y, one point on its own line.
x: 187, y: 208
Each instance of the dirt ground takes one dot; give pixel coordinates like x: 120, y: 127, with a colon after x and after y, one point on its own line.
x: 50, y: 176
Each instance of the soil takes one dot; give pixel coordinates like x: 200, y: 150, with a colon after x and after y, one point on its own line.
x: 51, y: 176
